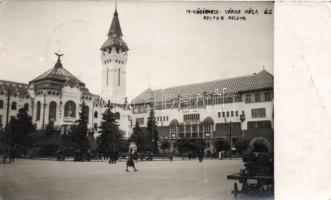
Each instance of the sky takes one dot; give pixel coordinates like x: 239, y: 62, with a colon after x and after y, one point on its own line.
x: 168, y: 46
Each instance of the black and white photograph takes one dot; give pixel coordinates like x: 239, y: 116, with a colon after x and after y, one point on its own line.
x: 122, y: 99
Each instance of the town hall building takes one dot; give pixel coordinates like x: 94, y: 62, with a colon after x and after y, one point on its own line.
x: 208, y: 112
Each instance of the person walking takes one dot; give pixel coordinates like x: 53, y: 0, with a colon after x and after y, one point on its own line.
x: 12, y: 154
x: 130, y: 162
x: 200, y: 156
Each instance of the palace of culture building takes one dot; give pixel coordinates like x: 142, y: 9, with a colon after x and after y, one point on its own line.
x: 210, y: 111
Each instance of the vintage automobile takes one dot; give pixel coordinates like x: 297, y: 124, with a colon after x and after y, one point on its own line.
x: 258, y: 173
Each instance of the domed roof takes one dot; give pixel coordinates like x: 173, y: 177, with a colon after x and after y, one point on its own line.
x: 57, y: 73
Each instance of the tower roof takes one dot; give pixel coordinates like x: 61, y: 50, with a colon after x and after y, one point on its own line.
x: 115, y: 35
x: 115, y: 27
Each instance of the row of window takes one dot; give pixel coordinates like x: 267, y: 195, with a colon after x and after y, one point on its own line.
x: 259, y: 125
x: 201, y: 101
x: 162, y: 119
x: 259, y: 112
x: 117, y: 61
x: 229, y: 114
x: 49, y: 93
x: 109, y: 50
x: 257, y: 97
x: 23, y: 95
x: 13, y: 105
x: 69, y: 110
x: 191, y: 129
x: 192, y: 117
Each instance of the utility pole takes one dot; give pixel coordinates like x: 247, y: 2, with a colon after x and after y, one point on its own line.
x: 230, y: 140
x: 43, y: 125
x: 8, y: 104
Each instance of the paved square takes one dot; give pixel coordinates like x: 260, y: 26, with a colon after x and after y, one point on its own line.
x: 50, y: 180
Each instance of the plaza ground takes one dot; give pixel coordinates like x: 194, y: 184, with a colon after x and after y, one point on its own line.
x: 50, y: 180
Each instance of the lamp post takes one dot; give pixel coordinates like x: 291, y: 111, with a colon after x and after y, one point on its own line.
x: 8, y: 104
x: 44, y: 108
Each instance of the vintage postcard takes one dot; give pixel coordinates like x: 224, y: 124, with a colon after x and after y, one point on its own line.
x: 140, y: 99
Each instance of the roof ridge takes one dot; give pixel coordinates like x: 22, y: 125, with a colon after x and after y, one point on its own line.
x: 13, y: 82
x: 206, y: 82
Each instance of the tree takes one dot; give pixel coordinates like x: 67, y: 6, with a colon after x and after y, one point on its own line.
x: 20, y: 128
x: 79, y: 131
x: 111, y: 137
x: 50, y: 128
x: 222, y: 145
x: 152, y: 133
x: 241, y: 145
x: 138, y: 136
x: 165, y: 145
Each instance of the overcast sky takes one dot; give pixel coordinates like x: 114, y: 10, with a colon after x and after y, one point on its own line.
x: 168, y: 47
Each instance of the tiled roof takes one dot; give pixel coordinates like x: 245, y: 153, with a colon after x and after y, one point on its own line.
x: 115, y: 35
x: 16, y: 89
x: 57, y: 73
x: 261, y: 80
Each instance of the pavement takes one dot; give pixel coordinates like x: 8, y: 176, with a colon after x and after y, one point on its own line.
x: 51, y: 180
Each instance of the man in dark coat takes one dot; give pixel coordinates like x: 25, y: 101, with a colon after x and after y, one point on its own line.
x: 130, y: 162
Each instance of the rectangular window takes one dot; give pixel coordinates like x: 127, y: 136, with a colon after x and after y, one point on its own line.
x: 259, y: 112
x: 227, y: 114
x: 223, y: 114
x: 140, y: 121
x: 238, y: 98
x: 219, y: 114
x: 257, y: 97
x: 231, y: 113
x: 248, y: 98
x: 267, y: 96
x: 1, y: 104
x: 259, y: 125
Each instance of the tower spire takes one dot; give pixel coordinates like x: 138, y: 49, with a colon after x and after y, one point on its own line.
x: 115, y: 27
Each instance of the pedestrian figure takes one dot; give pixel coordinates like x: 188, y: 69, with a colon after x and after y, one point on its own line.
x: 189, y: 155
x: 200, y: 156
x: 130, y: 162
x: 12, y: 154
x: 100, y: 156
x: 171, y: 156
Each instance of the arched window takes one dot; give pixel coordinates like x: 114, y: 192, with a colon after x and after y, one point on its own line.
x: 70, y: 109
x: 1, y: 104
x: 95, y: 114
x: 13, y: 105
x: 38, y: 111
x: 52, y: 111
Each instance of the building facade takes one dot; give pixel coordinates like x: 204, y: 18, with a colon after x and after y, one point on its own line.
x: 212, y: 111
x: 205, y: 113
x: 56, y: 96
